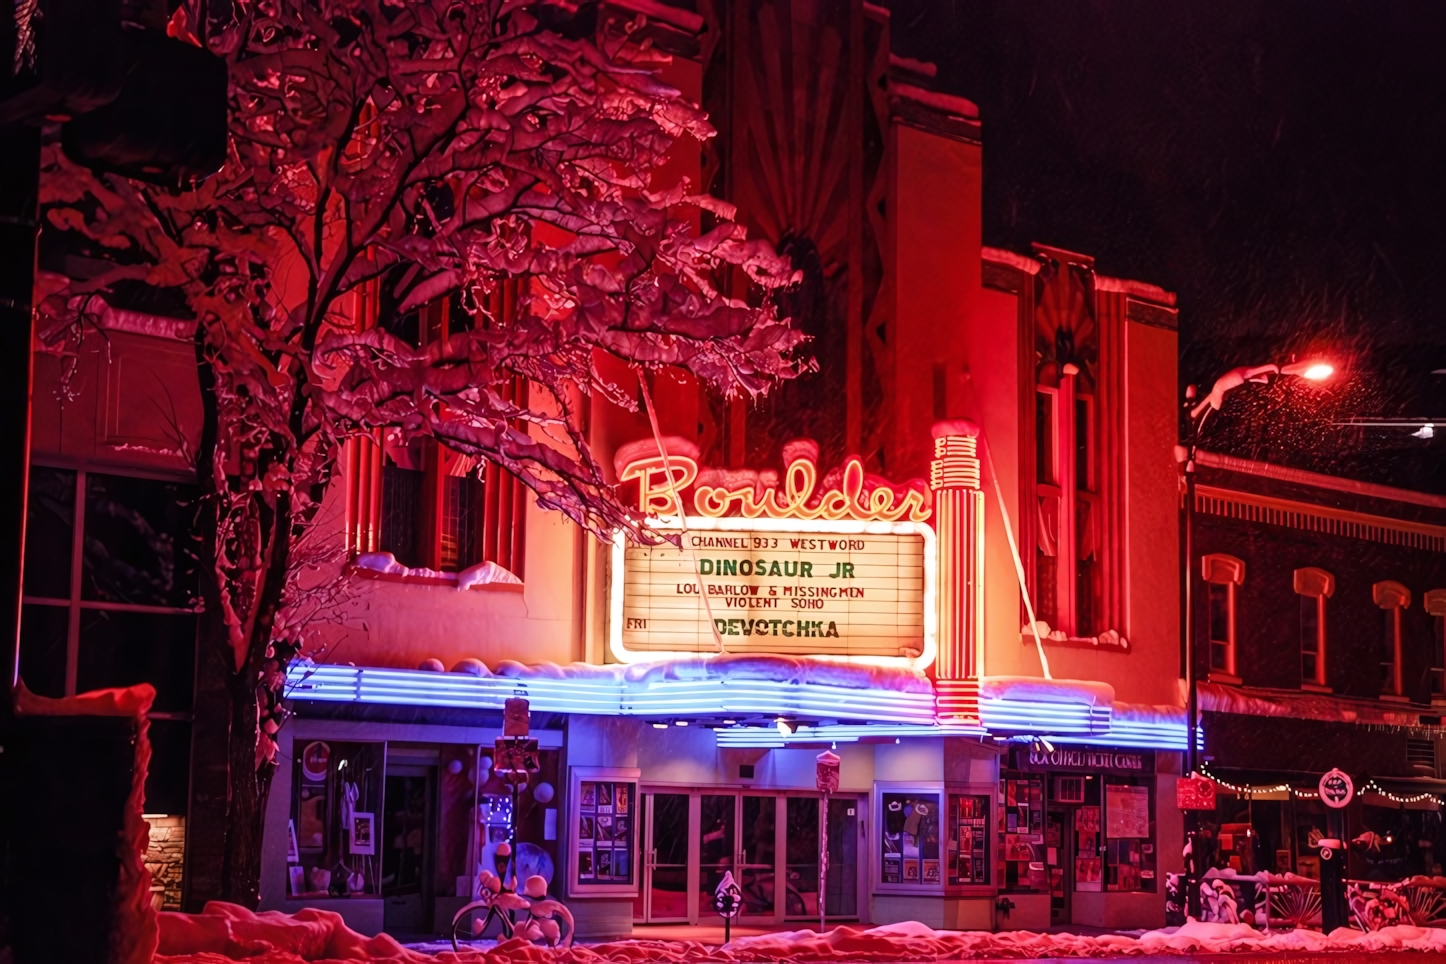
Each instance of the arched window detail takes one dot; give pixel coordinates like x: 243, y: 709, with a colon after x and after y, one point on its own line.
x: 1313, y: 587
x: 1222, y: 574
x: 1393, y: 598
x: 1435, y: 602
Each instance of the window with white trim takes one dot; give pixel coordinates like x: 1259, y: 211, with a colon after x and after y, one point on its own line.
x: 1313, y: 587
x: 111, y: 599
x: 1435, y: 603
x: 429, y: 506
x: 1392, y: 598
x: 1222, y: 575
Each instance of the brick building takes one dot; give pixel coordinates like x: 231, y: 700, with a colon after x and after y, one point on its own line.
x: 1321, y: 624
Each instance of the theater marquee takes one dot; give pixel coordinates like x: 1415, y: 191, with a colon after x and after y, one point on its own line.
x: 858, y: 588
x: 827, y: 588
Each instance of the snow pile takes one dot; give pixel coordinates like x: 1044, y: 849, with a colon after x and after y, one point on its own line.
x: 1033, y: 689
x: 482, y: 574
x: 1149, y: 714
x: 485, y: 574
x: 797, y: 670
x: 793, y: 670
x: 226, y: 932
x: 915, y: 942
x: 133, y: 932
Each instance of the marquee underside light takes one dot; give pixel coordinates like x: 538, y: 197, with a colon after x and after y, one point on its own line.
x: 892, y: 713
x: 604, y: 696
x: 861, y: 591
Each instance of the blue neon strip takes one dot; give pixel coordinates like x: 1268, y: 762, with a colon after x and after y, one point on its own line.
x: 895, y: 714
x: 605, y: 696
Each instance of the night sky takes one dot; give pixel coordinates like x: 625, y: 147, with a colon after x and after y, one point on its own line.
x: 1279, y: 164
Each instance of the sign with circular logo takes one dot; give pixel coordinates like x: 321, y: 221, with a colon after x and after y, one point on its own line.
x: 728, y: 896
x: 1336, y: 789
x: 315, y: 760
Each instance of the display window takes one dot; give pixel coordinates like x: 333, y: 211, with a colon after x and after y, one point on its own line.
x: 1020, y: 823
x: 602, y: 840
x: 1062, y: 827
x: 535, y: 819
x: 911, y: 840
x: 969, y: 831
x: 336, y: 809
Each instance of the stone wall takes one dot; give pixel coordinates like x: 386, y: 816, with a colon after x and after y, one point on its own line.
x: 166, y: 859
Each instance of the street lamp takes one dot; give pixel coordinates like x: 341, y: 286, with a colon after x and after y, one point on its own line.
x: 1314, y: 370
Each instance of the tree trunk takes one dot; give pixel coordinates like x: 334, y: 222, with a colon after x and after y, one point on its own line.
x: 246, y: 815
x: 210, y: 770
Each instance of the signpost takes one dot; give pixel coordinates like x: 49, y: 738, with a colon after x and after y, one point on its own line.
x: 728, y: 901
x: 515, y: 758
x: 1336, y: 791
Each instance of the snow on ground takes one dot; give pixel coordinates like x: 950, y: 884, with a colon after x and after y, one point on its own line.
x: 225, y: 932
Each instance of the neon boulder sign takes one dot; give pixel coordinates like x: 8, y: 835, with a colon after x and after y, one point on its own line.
x: 846, y: 493
x: 842, y: 565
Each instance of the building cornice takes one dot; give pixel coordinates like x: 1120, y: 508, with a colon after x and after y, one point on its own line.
x: 1281, y: 473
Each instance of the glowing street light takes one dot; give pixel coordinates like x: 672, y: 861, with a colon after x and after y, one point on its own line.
x: 1314, y: 371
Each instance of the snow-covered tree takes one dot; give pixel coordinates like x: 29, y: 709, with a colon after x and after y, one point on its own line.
x: 433, y: 148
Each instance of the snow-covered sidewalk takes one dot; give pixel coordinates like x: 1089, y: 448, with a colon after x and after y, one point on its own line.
x: 225, y: 932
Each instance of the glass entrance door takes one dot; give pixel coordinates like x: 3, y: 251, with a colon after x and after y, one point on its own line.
x: 717, y: 846
x: 407, y: 851
x: 800, y: 895
x: 842, y: 898
x: 769, y: 841
x: 1059, y: 864
x: 758, y: 854
x: 664, y: 894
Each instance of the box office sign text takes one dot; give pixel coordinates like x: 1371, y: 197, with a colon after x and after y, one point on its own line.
x: 814, y: 593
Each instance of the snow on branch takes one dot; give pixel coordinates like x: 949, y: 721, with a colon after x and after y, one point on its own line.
x: 406, y: 152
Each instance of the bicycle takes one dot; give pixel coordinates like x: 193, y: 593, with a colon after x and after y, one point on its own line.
x: 546, y: 919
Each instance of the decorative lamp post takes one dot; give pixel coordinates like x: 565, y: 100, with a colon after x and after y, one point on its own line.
x: 826, y: 771
x: 1199, y: 412
x: 954, y: 477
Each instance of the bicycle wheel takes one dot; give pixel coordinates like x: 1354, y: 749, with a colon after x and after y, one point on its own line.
x: 464, y: 927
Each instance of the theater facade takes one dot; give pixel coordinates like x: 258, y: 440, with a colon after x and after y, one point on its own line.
x: 949, y: 556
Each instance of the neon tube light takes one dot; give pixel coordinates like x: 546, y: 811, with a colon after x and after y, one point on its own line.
x: 929, y: 648
x: 606, y: 694
x: 895, y: 713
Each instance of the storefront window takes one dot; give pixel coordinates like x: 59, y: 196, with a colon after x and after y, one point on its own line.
x: 1076, y: 820
x: 910, y: 841
x: 1244, y: 835
x: 603, y: 831
x: 1129, y: 835
x: 336, y: 809
x: 969, y: 833
x: 1389, y: 845
x: 1021, y: 834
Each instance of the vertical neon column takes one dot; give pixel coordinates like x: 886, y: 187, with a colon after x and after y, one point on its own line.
x: 959, y: 522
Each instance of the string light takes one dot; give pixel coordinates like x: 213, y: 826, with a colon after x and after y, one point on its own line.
x: 1371, y: 786
x: 1251, y: 791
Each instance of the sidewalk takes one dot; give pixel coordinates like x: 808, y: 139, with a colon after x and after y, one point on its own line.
x: 712, y: 934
